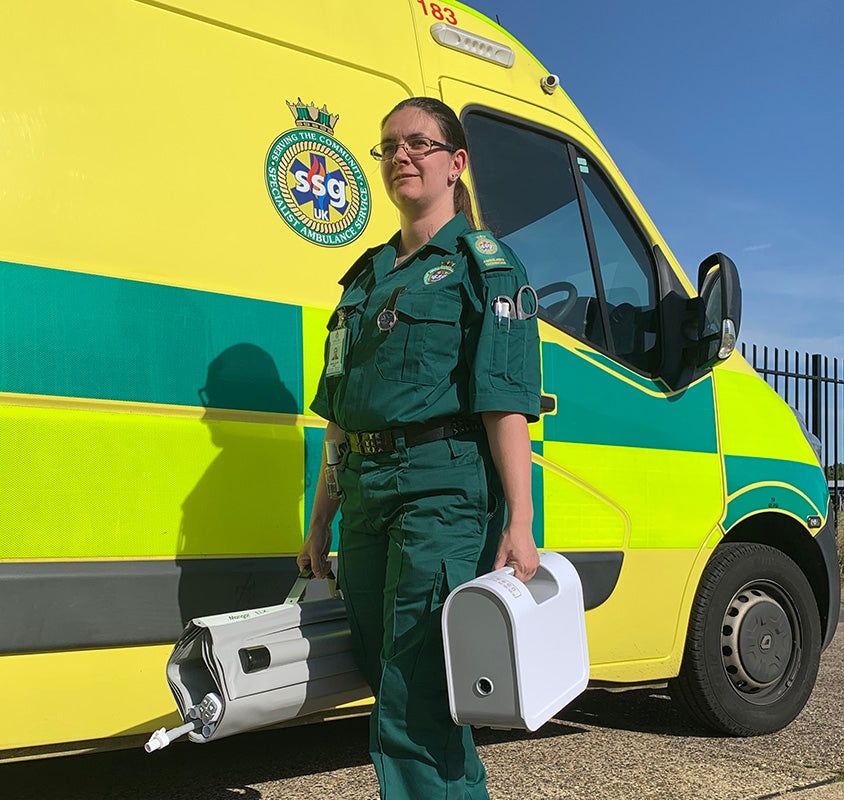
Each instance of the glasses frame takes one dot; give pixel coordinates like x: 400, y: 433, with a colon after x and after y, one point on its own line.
x: 376, y: 153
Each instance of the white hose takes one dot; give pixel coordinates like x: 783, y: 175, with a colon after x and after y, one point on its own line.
x: 161, y: 738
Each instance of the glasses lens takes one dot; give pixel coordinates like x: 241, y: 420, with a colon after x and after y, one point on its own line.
x: 383, y: 151
x: 418, y: 145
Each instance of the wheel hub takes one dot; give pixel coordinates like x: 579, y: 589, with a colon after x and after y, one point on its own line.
x: 757, y: 640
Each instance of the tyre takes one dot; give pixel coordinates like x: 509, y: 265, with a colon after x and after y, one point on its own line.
x: 753, y: 644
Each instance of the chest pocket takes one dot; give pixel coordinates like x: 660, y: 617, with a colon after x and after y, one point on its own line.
x: 424, y: 346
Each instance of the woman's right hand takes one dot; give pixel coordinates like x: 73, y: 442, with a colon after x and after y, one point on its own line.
x: 314, y: 552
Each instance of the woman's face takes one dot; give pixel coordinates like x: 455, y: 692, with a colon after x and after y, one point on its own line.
x: 419, y: 183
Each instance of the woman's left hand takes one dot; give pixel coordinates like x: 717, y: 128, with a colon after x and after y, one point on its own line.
x: 517, y: 549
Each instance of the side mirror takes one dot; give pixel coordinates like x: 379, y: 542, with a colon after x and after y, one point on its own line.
x: 720, y: 309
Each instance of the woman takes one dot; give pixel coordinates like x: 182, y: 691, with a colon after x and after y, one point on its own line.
x: 432, y: 392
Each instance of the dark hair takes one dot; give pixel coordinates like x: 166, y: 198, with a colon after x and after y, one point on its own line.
x: 452, y: 133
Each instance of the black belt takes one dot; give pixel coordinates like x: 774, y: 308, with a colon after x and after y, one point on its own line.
x: 374, y: 442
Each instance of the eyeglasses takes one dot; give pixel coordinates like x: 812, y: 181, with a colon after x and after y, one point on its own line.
x: 415, y: 147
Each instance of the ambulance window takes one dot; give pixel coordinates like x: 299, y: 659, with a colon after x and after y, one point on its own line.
x: 527, y: 197
x: 627, y: 273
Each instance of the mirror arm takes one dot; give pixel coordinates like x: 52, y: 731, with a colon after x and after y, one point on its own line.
x: 691, y: 331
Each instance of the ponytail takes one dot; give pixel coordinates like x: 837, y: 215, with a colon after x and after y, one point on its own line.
x: 462, y: 202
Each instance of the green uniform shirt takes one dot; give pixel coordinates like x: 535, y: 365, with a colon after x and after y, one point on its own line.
x: 447, y: 353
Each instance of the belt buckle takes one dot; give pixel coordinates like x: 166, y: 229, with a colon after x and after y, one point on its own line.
x: 372, y: 443
x: 384, y: 442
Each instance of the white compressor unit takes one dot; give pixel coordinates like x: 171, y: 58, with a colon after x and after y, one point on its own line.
x: 515, y: 652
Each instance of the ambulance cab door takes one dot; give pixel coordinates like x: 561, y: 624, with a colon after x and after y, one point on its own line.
x: 627, y: 476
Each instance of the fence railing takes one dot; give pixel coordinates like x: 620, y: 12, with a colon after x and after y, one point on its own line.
x: 814, y: 386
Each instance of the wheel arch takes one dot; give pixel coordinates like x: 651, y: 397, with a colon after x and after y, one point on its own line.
x: 787, y: 535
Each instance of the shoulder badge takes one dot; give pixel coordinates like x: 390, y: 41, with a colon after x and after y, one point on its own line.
x: 487, y: 252
x: 486, y: 246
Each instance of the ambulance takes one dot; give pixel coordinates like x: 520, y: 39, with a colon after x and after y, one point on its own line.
x: 183, y: 184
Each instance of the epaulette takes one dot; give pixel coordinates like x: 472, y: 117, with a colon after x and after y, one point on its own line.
x: 487, y: 251
x: 358, y: 266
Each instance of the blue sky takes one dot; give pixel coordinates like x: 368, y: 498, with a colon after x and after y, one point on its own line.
x: 727, y: 119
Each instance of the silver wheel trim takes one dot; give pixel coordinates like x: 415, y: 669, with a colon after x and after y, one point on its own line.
x: 760, y: 642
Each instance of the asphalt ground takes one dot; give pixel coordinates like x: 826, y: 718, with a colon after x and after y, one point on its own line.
x: 604, y: 746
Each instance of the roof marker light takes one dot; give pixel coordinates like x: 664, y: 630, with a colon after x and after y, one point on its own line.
x: 458, y: 39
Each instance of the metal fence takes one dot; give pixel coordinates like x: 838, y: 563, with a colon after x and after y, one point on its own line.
x: 814, y: 386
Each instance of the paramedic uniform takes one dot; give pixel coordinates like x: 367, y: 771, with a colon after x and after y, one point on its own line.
x: 422, y: 507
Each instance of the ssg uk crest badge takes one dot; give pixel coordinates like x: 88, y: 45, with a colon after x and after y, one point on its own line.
x: 315, y: 183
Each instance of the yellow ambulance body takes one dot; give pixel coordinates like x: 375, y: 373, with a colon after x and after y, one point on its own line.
x: 183, y: 183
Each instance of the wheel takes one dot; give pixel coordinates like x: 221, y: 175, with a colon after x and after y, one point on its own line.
x: 753, y: 645
x: 558, y: 310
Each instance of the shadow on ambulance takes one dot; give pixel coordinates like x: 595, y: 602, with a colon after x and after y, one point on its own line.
x: 239, y: 498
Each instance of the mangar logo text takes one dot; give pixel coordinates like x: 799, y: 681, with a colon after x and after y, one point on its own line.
x: 314, y: 181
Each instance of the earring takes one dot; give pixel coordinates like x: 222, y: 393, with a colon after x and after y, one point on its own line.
x: 454, y: 177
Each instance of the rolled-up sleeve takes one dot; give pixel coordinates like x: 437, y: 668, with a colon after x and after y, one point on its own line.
x: 320, y: 404
x: 505, y: 373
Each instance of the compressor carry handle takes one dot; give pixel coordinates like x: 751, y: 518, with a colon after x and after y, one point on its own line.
x: 541, y: 587
x: 301, y: 583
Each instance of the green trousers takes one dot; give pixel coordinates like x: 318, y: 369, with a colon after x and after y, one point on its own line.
x: 415, y: 524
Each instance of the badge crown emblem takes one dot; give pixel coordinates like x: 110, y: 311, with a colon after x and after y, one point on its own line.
x: 309, y: 116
